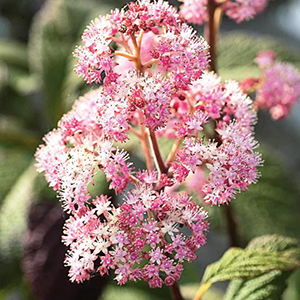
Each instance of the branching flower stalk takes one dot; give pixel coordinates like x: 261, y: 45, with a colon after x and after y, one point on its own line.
x: 148, y: 139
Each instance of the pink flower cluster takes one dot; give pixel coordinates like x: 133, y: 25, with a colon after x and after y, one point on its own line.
x: 196, y: 12
x: 174, y: 46
x: 77, y: 149
x: 158, y: 90
x: 231, y: 161
x: 141, y: 239
x: 279, y: 88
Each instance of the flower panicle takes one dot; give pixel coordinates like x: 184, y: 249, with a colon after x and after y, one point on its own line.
x: 156, y: 87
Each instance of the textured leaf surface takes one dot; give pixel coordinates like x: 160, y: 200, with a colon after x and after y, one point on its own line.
x: 239, y: 263
x: 285, y: 245
x: 272, y: 205
x: 271, y: 285
x: 238, y: 46
x: 268, y: 286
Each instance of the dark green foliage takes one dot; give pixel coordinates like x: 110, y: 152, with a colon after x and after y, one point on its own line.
x: 238, y: 50
x: 293, y: 290
x: 13, y: 71
x: 271, y: 285
x: 12, y: 163
x: 272, y: 205
x: 14, y: 134
x: 13, y: 54
x: 13, y: 216
x: 13, y: 211
x: 55, y: 31
x: 15, y: 82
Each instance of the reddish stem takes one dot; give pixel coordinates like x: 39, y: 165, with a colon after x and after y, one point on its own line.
x: 160, y: 163
x: 176, y: 292
x: 173, y: 151
x: 145, y: 143
x: 211, y: 33
x: 231, y: 223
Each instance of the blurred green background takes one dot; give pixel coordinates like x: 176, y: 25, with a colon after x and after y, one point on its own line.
x: 37, y: 85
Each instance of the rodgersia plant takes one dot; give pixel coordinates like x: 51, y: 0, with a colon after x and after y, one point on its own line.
x: 156, y: 84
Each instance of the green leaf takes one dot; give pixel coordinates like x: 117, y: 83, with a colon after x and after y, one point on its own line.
x: 12, y: 164
x: 267, y: 286
x: 239, y: 263
x: 286, y: 245
x: 293, y: 290
x: 271, y: 285
x: 272, y: 205
x: 15, y: 80
x: 13, y: 133
x: 14, y: 54
x: 100, y: 185
x: 55, y: 31
x: 14, y: 68
x: 238, y: 46
x: 13, y: 212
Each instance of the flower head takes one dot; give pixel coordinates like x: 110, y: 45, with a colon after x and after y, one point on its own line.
x: 173, y: 44
x: 149, y: 247
x: 153, y: 91
x: 279, y: 88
